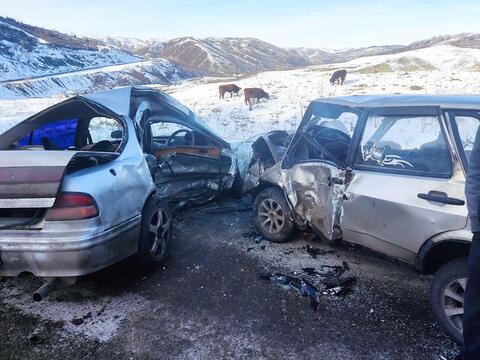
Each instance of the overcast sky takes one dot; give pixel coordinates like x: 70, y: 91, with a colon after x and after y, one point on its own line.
x: 297, y: 23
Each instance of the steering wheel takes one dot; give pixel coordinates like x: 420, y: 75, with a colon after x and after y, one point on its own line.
x: 329, y: 135
x: 188, y: 134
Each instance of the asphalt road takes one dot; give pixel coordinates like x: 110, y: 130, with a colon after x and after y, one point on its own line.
x: 208, y: 302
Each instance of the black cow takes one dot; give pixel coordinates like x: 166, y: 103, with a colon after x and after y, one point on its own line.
x: 338, y: 77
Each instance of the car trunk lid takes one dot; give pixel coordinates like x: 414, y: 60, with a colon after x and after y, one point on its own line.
x: 31, y: 179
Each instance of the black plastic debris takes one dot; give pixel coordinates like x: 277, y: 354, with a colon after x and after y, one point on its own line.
x: 312, y: 292
x: 334, y: 279
x: 250, y: 248
x: 301, y: 285
x: 263, y: 247
x: 311, y: 271
x: 36, y: 337
x: 343, y: 287
x: 334, y: 270
x: 77, y: 321
x: 314, y: 252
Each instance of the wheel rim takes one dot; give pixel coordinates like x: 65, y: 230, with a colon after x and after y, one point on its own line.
x: 272, y: 216
x: 158, y: 232
x: 453, y: 302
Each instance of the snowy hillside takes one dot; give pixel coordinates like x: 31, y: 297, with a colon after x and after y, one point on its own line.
x: 148, y: 48
x: 228, y: 56
x: 24, y: 55
x: 138, y: 73
x: 441, y: 69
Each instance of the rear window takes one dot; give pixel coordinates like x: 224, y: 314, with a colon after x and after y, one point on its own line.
x: 61, y: 133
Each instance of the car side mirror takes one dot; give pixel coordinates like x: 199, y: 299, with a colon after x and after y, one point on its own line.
x: 116, y: 134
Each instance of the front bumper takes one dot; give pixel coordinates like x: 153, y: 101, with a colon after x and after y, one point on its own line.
x: 66, y: 249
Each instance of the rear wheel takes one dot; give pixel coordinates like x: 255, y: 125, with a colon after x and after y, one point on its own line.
x: 273, y: 217
x: 155, y: 235
x: 447, y: 291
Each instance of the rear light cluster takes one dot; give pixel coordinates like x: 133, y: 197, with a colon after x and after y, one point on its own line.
x: 72, y: 206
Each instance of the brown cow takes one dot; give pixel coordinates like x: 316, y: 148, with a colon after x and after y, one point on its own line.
x: 255, y: 93
x: 230, y: 88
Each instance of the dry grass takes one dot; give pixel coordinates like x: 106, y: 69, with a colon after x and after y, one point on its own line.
x: 405, y: 64
x: 475, y: 67
x: 414, y: 64
x: 416, y: 87
x: 374, y: 69
x: 322, y: 69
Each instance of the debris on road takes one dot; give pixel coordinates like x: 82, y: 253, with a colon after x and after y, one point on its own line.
x: 301, y: 285
x: 314, y: 252
x: 342, y: 287
x: 336, y: 270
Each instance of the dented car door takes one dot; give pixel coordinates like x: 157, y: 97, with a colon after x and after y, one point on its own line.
x: 315, y: 191
x: 190, y: 167
x: 316, y: 163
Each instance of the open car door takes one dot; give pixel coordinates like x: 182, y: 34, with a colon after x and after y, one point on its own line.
x: 315, y: 166
x: 190, y: 166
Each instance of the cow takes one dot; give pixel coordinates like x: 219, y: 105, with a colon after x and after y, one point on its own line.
x: 255, y: 93
x: 230, y: 88
x: 338, y: 76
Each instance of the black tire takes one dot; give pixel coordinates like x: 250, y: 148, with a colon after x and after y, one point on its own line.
x: 155, y: 216
x: 281, y: 226
x: 449, y: 279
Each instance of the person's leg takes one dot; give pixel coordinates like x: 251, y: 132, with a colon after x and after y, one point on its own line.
x: 471, y: 305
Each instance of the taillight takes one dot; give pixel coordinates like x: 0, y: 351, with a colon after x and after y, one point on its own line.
x: 72, y: 206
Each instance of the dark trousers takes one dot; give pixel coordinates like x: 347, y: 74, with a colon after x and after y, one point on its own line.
x: 471, y: 316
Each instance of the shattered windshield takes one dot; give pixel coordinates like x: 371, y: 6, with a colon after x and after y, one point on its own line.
x: 330, y: 128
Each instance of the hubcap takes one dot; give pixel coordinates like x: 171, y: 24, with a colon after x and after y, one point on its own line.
x: 158, y: 232
x: 453, y: 301
x: 272, y: 217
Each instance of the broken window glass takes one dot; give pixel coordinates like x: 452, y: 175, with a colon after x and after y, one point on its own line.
x: 328, y: 133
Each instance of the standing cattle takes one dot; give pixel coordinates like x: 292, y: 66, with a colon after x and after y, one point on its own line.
x: 255, y: 93
x: 230, y: 88
x: 338, y: 76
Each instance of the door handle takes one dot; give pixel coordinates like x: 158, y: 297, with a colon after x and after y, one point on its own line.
x: 439, y: 196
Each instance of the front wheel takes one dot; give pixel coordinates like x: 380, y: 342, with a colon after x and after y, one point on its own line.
x: 155, y: 235
x: 273, y: 217
x: 447, y: 292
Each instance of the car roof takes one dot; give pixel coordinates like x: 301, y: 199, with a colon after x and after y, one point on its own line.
x: 444, y: 101
x: 120, y: 100
x: 126, y: 100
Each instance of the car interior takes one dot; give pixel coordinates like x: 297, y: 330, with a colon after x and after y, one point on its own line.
x: 72, y: 126
x: 331, y: 135
x: 167, y: 137
x: 430, y: 157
